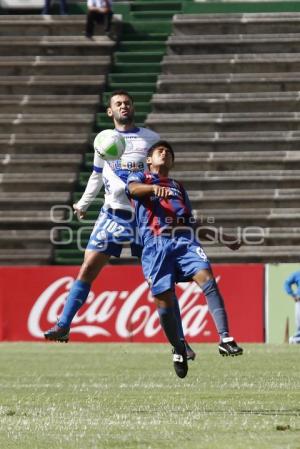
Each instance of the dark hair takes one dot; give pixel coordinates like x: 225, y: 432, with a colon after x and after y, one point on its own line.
x: 161, y: 143
x: 119, y: 92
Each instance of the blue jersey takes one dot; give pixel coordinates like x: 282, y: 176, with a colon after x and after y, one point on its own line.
x: 157, y: 216
x: 293, y: 280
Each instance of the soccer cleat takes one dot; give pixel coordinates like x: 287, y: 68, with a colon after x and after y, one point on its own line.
x: 57, y: 333
x: 190, y: 354
x: 228, y: 346
x: 180, y: 364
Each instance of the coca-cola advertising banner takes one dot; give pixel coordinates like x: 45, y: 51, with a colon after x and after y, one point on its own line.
x: 120, y: 306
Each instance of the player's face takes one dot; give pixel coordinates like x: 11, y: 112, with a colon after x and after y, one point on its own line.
x: 161, y: 157
x: 121, y: 110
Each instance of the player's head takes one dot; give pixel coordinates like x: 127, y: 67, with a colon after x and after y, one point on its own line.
x: 120, y: 108
x: 161, y: 154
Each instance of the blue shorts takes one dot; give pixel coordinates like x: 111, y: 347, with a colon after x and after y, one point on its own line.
x: 112, y: 230
x: 166, y: 261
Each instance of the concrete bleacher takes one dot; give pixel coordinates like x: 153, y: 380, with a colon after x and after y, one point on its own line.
x: 228, y: 100
x: 51, y: 79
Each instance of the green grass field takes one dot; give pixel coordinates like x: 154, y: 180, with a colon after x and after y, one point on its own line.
x: 126, y: 396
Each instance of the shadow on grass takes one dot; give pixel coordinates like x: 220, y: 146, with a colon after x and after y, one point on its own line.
x: 289, y: 412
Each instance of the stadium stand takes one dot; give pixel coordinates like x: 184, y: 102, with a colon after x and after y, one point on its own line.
x: 227, y: 98
x: 145, y: 28
x: 230, y: 84
x: 50, y: 83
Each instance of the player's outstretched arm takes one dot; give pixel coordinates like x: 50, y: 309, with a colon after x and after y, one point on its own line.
x: 231, y: 242
x: 210, y: 234
x: 92, y: 189
x: 79, y: 212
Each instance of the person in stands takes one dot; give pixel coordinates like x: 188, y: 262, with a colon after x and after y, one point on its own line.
x: 62, y: 5
x: 99, y: 11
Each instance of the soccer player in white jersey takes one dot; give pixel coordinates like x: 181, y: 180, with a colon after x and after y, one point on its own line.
x: 116, y: 222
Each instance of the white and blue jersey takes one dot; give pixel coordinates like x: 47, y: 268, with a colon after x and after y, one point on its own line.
x: 115, y: 222
x: 115, y: 173
x: 171, y: 251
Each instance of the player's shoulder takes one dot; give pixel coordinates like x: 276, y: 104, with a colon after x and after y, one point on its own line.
x: 136, y: 177
x: 146, y: 132
x: 175, y: 182
x: 144, y: 177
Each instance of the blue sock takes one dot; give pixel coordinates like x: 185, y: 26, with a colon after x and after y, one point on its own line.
x: 169, y: 324
x: 216, y: 307
x: 76, y: 298
x: 178, y: 317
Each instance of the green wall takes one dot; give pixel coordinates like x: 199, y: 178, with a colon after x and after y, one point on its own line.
x: 212, y: 7
x: 279, y: 306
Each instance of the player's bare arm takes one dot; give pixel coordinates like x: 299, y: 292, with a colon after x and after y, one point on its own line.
x: 79, y: 212
x: 227, y: 240
x: 138, y: 190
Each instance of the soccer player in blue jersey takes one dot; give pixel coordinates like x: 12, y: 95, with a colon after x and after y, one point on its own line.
x: 171, y: 251
x: 115, y: 225
x: 292, y: 288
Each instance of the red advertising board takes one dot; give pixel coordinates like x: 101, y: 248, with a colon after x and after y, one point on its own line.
x: 120, y: 307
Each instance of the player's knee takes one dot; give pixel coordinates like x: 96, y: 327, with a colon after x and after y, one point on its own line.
x: 89, y: 271
x: 209, y: 287
x: 164, y: 300
x: 202, y: 277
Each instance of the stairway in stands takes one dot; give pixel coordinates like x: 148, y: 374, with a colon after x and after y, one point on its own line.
x: 228, y: 99
x: 136, y: 66
x: 50, y: 82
